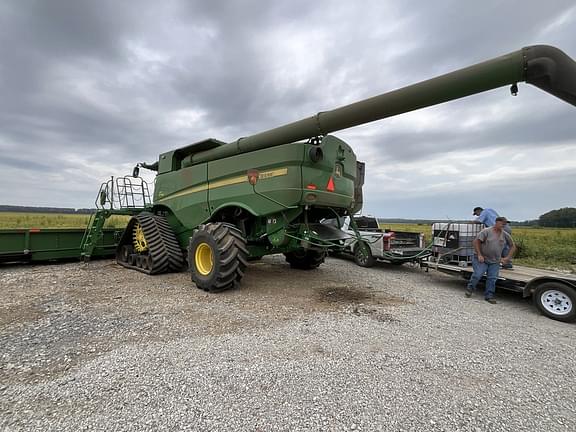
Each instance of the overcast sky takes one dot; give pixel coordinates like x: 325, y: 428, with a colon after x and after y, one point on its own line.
x: 89, y: 88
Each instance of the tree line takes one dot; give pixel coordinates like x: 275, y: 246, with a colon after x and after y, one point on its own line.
x: 30, y: 209
x: 560, y: 218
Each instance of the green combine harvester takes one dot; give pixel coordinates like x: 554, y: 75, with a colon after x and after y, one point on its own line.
x: 217, y: 205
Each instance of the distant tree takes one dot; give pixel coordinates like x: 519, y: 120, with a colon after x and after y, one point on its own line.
x: 531, y: 222
x: 561, y: 218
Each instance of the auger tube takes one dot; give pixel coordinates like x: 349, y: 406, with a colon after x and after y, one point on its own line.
x: 544, y: 66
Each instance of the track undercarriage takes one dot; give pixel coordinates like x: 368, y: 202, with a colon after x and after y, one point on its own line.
x: 150, y: 246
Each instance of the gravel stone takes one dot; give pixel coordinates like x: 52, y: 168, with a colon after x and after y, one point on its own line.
x: 94, y: 346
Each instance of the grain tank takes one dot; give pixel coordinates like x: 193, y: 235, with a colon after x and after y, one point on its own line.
x: 216, y: 205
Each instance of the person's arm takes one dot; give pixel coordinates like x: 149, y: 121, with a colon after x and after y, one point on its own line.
x: 476, y: 243
x: 481, y: 218
x: 512, y: 245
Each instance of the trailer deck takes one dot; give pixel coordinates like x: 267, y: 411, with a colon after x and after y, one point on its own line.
x: 519, y: 274
x: 554, y: 292
x: 53, y: 244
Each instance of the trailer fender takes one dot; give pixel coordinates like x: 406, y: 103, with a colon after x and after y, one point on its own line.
x: 535, y: 283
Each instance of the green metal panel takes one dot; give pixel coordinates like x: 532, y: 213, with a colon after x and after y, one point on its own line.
x: 185, y: 192
x: 279, y: 184
x: 284, y: 172
x: 52, y: 244
x: 339, y: 164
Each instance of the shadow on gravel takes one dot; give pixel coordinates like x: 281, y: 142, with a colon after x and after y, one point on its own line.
x: 349, y: 295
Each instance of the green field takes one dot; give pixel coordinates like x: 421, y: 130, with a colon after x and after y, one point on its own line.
x: 54, y: 220
x: 549, y: 248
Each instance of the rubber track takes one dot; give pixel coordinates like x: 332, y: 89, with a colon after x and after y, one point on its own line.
x: 163, y: 247
x: 233, y: 255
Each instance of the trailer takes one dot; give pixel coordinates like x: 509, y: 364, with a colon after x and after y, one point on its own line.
x: 53, y: 244
x: 127, y: 196
x: 553, y: 292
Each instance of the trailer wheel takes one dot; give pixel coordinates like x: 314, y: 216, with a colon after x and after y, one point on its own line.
x: 363, y: 255
x: 305, y: 259
x: 217, y: 256
x: 556, y: 300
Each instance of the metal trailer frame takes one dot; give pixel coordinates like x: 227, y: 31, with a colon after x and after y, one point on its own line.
x: 549, y: 289
x: 53, y: 244
x: 126, y: 196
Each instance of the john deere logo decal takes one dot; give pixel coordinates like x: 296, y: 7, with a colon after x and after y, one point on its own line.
x: 253, y: 177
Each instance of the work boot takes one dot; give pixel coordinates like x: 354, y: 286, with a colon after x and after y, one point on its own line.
x: 468, y: 293
x: 491, y: 300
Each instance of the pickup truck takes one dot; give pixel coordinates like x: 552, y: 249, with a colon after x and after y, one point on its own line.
x: 395, y: 247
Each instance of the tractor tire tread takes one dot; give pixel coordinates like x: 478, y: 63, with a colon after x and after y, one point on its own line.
x: 232, y: 257
x: 163, y: 248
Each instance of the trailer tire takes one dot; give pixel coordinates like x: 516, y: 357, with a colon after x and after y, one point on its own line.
x: 217, y: 256
x: 305, y: 259
x: 556, y: 300
x: 363, y: 255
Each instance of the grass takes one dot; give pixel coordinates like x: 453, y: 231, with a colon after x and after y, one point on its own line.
x: 548, y: 248
x: 54, y: 220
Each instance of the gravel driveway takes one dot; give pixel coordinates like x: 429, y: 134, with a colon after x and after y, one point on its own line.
x: 98, y: 347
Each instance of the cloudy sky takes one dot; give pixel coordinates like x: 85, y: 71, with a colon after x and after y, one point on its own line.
x: 89, y: 88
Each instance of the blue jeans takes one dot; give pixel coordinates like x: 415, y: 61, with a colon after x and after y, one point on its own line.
x: 491, y: 270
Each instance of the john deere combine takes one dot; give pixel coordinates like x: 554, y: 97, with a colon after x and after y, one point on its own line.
x: 217, y: 205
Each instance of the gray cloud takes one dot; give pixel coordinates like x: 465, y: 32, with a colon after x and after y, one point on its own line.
x: 88, y: 88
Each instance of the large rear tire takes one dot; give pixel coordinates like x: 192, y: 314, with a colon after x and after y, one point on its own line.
x: 556, y: 300
x: 217, y: 256
x: 305, y: 259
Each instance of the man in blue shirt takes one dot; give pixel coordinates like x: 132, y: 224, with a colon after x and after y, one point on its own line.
x: 488, y: 217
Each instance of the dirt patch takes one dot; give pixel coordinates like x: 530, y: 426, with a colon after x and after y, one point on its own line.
x: 375, y: 314
x: 15, y: 316
x: 357, y: 295
x: 344, y: 294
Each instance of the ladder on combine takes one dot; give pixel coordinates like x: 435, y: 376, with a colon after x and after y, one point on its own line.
x: 121, y: 196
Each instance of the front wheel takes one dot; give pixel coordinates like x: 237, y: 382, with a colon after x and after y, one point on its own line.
x: 556, y: 300
x: 363, y: 255
x: 217, y: 257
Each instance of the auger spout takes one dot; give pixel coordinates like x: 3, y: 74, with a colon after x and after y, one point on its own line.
x: 544, y: 66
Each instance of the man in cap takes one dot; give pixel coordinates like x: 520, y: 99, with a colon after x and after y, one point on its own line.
x: 485, y: 216
x: 488, y: 217
x: 488, y: 247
